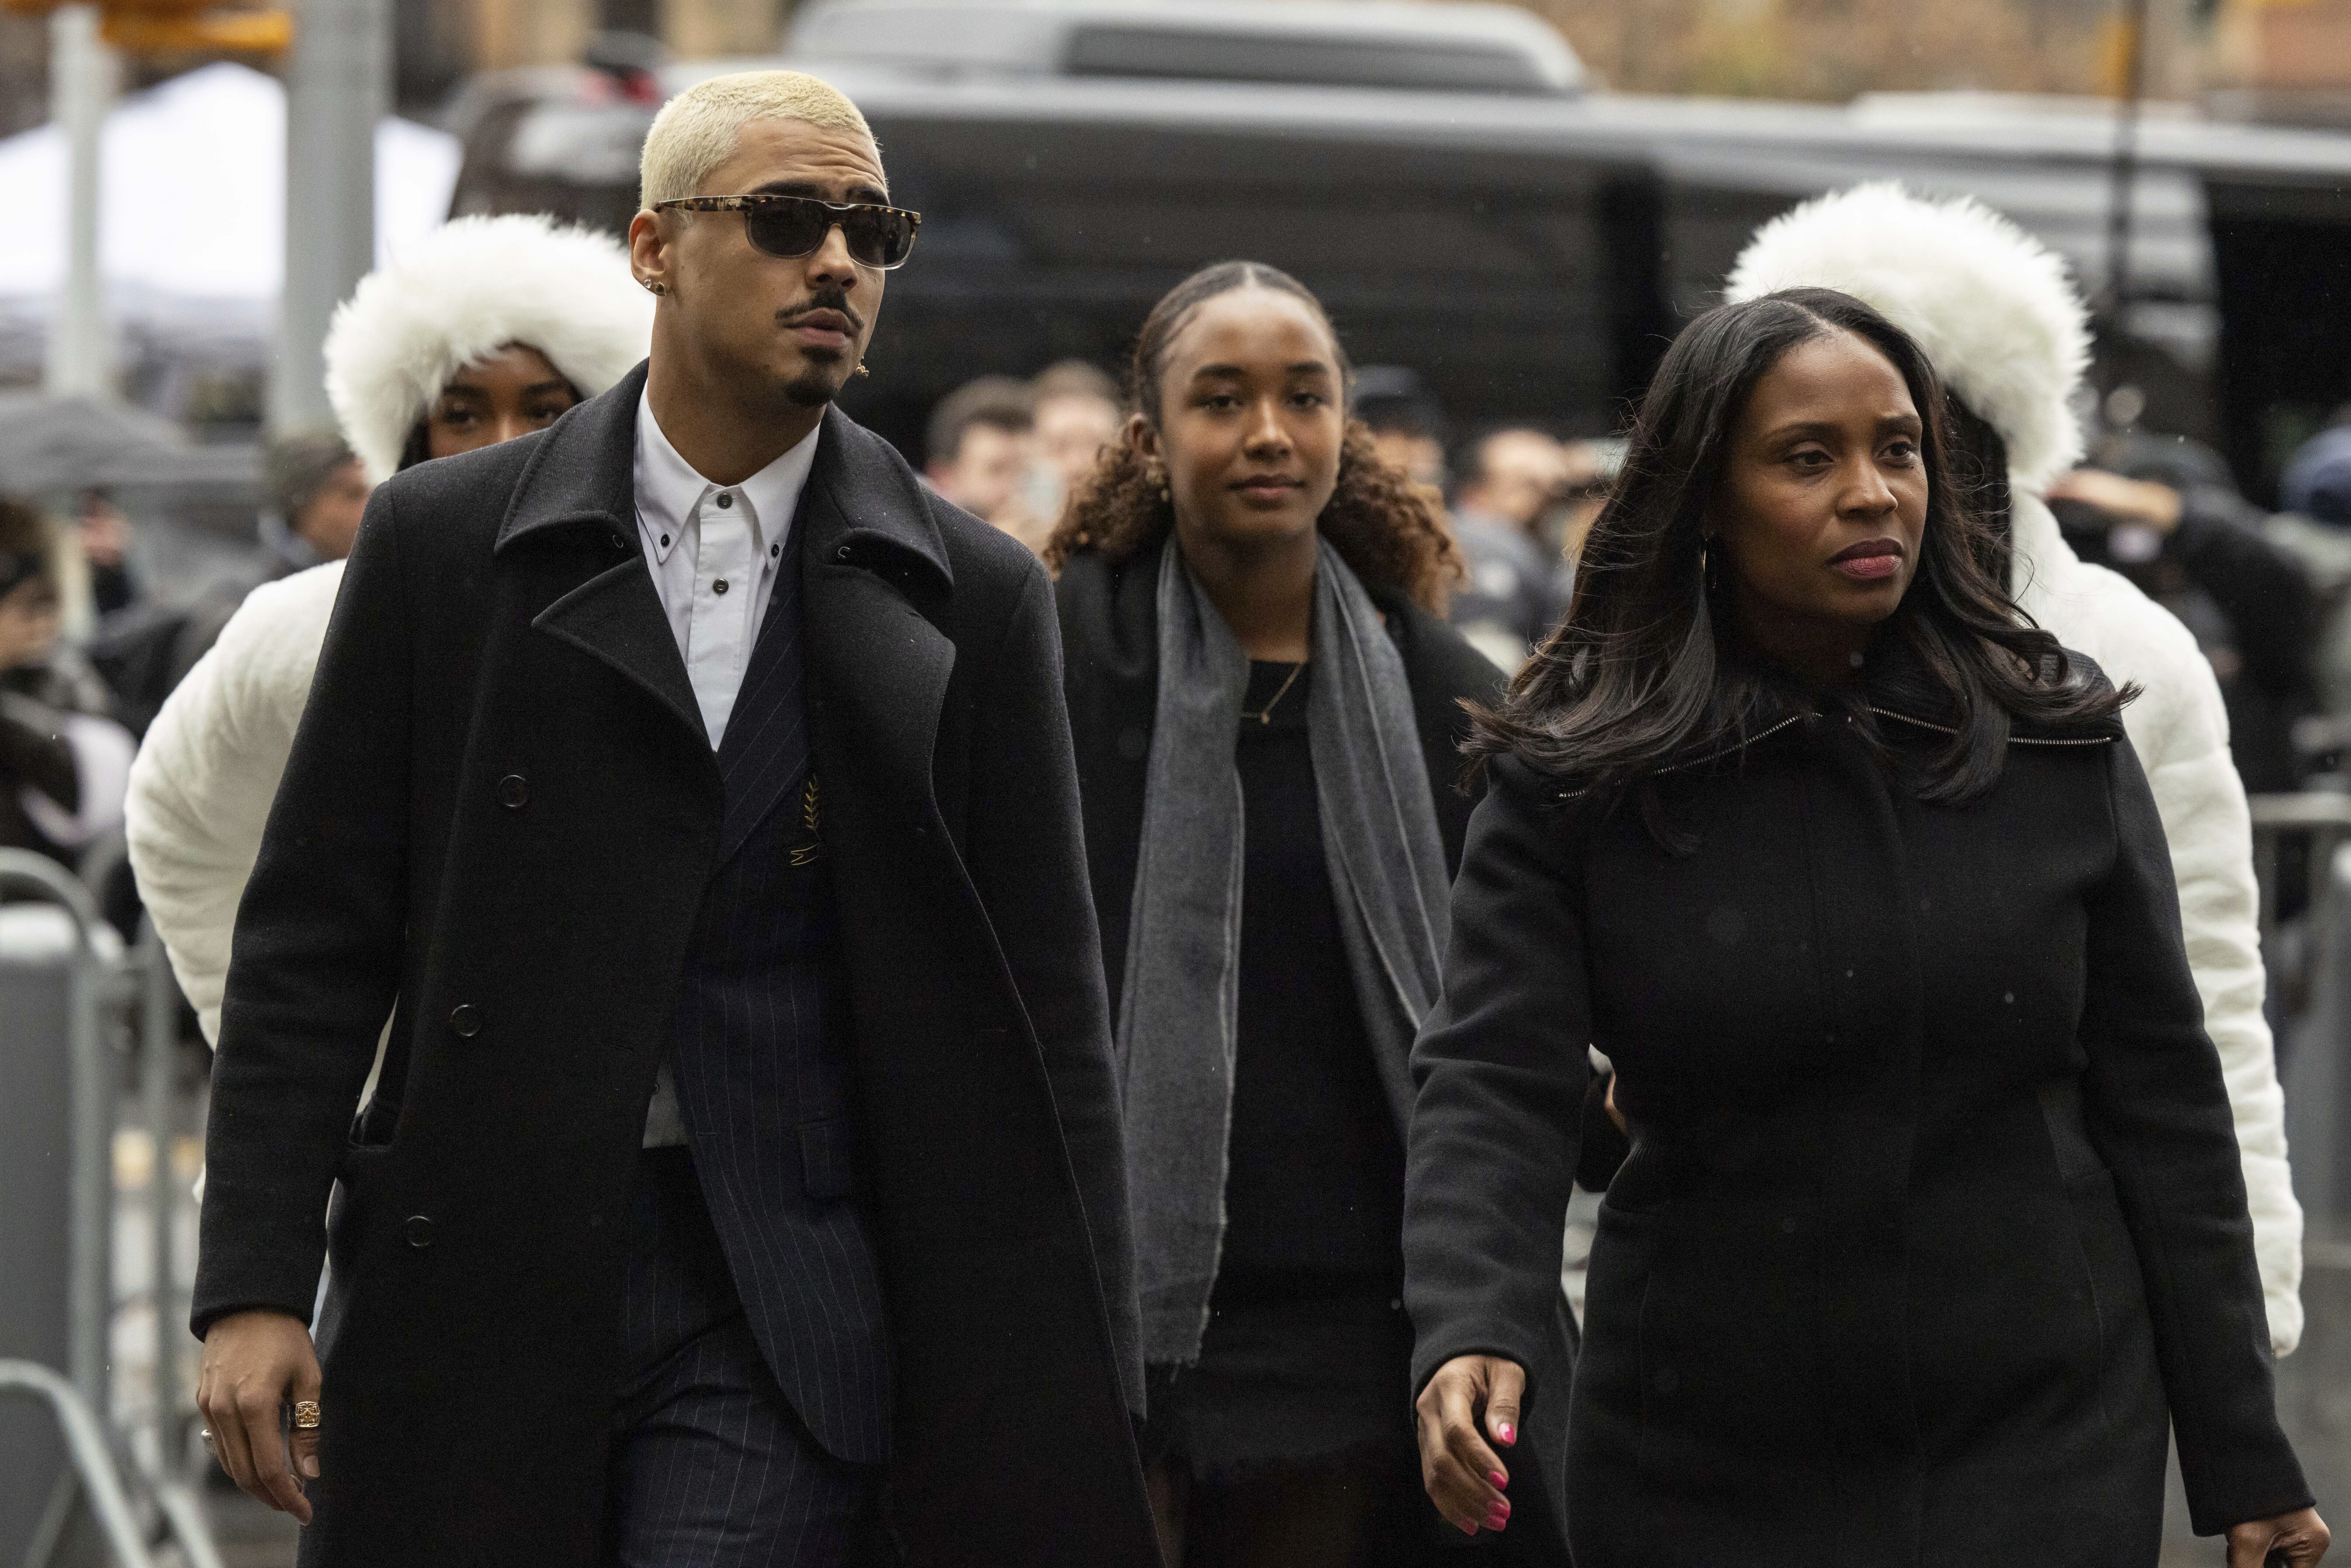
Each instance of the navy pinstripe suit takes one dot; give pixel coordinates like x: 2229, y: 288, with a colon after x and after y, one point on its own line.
x: 720, y: 1401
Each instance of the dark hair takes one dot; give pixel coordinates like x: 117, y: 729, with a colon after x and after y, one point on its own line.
x: 1643, y: 672
x: 999, y: 403
x: 27, y: 538
x: 1980, y: 468
x: 1390, y: 532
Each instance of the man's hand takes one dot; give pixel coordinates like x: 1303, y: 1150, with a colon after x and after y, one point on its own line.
x: 256, y: 1363
x: 1463, y: 1477
x: 2297, y: 1539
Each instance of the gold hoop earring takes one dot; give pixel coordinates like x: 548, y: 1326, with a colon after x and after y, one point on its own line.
x: 860, y: 369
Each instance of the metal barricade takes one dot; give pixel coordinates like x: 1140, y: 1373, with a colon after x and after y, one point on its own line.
x: 2309, y: 958
x: 80, y: 999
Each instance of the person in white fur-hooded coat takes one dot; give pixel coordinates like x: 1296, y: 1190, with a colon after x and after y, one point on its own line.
x: 1995, y: 310
x: 485, y: 330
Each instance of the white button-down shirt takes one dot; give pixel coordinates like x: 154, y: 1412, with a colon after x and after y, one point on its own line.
x: 714, y: 551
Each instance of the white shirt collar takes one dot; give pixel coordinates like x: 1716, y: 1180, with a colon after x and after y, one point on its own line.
x: 670, y: 491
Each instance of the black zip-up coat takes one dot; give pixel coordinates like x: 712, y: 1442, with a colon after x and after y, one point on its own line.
x: 503, y: 813
x: 1934, y: 1207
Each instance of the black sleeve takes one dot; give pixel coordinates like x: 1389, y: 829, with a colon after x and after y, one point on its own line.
x: 2158, y: 1109
x: 316, y: 955
x: 33, y: 750
x: 1026, y: 851
x: 2271, y: 605
x: 1502, y: 1066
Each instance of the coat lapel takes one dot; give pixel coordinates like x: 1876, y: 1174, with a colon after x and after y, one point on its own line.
x: 871, y: 562
x: 583, y: 480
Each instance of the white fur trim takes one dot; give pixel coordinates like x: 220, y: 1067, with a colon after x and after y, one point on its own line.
x: 1991, y: 304
x: 467, y: 289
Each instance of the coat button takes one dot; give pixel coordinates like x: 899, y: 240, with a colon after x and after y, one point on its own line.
x: 419, y: 1231
x: 465, y: 1020
x: 513, y: 791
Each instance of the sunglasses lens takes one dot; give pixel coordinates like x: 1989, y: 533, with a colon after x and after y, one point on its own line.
x: 787, y: 228
x: 877, y: 236
x: 796, y: 227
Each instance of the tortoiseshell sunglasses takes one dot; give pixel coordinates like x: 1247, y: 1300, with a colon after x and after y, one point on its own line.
x: 795, y: 226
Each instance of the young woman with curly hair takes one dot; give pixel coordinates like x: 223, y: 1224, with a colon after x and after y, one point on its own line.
x: 1268, y: 713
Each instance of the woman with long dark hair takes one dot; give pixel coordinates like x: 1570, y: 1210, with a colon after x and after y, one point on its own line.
x: 1933, y: 1227
x: 1267, y: 715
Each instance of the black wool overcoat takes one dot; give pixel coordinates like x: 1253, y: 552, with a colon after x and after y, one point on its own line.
x: 1110, y: 627
x: 1933, y: 1213
x: 501, y: 813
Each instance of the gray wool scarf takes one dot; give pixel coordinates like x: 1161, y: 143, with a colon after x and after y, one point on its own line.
x: 1178, y: 1023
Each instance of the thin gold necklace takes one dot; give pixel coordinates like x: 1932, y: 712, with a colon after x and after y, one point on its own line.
x: 1266, y: 715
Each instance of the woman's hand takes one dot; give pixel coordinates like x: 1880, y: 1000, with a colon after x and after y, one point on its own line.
x: 1463, y: 1477
x: 2297, y: 1539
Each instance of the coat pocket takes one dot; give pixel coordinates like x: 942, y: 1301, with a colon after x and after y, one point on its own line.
x: 828, y: 1158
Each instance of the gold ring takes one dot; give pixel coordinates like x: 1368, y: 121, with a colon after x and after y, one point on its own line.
x: 305, y: 1415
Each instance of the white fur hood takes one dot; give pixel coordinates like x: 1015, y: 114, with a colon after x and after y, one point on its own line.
x: 467, y: 289
x: 1991, y: 304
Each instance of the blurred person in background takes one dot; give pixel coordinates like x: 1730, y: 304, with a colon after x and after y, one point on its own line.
x: 106, y: 546
x: 316, y: 491
x: 2315, y: 528
x: 1592, y: 467
x: 979, y: 446
x: 1510, y: 483
x: 63, y: 758
x: 486, y: 329
x: 1406, y: 421
x: 2179, y: 529
x: 1077, y: 417
x: 1997, y: 313
x: 1268, y: 711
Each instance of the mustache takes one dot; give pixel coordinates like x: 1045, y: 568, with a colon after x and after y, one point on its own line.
x: 827, y: 300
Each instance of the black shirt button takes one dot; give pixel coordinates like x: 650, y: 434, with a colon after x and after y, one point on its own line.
x: 726, y: 499
x: 465, y: 1020
x: 720, y: 586
x: 419, y: 1231
x: 513, y: 791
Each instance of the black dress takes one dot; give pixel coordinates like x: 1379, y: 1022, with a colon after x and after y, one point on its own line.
x: 1305, y: 1360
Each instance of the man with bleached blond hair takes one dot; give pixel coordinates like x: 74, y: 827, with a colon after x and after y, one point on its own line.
x: 742, y: 1180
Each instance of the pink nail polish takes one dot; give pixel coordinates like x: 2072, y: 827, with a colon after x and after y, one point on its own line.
x: 1506, y: 1435
x: 1498, y: 1478
x: 1468, y: 1530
